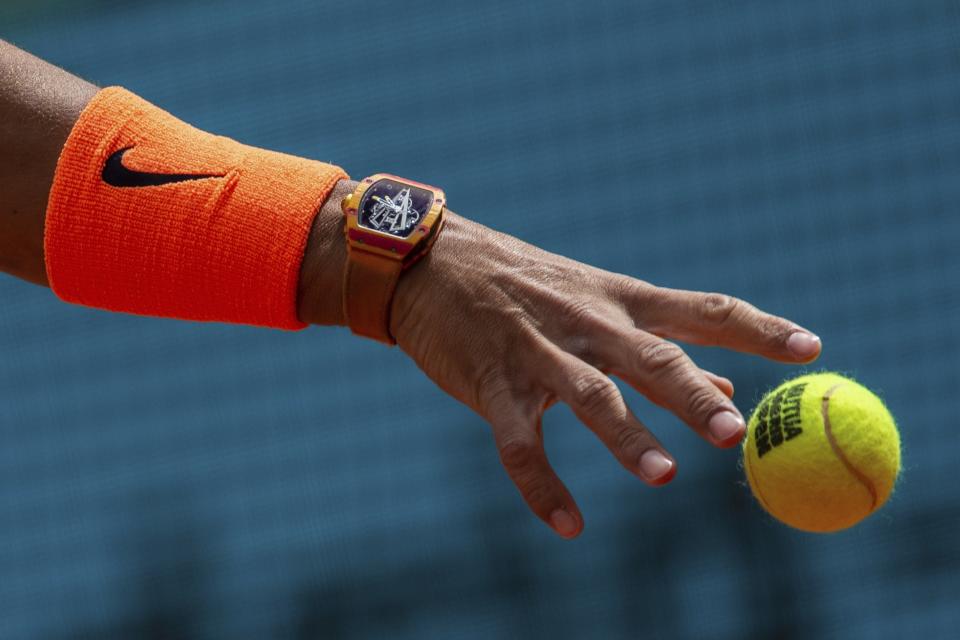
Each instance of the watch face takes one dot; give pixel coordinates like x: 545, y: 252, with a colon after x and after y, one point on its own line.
x: 393, y: 207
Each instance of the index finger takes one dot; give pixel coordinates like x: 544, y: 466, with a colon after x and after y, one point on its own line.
x: 717, y: 319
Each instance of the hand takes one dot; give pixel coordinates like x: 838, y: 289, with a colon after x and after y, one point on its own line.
x: 509, y: 329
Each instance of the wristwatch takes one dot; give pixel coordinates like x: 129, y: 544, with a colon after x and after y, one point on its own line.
x: 391, y: 223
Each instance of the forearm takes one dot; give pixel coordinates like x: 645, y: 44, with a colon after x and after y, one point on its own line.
x: 39, y: 104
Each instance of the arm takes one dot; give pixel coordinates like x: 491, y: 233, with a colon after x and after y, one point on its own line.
x: 38, y: 105
x: 506, y: 328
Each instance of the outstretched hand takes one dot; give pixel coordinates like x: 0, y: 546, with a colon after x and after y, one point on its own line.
x: 509, y: 329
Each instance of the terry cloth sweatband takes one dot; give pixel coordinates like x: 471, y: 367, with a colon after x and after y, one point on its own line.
x: 149, y: 215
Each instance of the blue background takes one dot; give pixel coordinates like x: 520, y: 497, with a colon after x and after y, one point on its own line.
x: 166, y: 479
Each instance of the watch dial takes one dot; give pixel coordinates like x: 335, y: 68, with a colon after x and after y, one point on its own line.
x: 393, y: 207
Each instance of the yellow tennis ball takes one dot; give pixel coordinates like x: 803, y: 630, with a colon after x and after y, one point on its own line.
x: 821, y: 453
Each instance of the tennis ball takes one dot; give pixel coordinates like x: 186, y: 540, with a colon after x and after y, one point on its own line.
x: 821, y: 453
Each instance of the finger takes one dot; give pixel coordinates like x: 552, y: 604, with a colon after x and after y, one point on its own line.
x: 665, y: 374
x: 724, y: 384
x: 520, y: 445
x: 598, y: 403
x: 720, y: 320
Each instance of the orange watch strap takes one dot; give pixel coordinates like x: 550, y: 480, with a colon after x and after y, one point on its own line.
x: 369, y: 283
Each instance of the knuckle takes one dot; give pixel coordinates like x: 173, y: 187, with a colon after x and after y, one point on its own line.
x: 775, y: 330
x: 660, y: 356
x: 593, y: 392
x: 518, y: 455
x: 581, y: 314
x: 492, y: 386
x: 538, y: 493
x: 702, y: 401
x: 717, y: 308
x: 629, y: 441
x: 634, y: 291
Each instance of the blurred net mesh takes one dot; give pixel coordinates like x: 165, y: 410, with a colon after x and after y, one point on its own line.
x: 167, y: 479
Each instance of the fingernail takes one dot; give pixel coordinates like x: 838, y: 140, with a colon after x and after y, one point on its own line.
x: 803, y: 344
x: 654, y: 465
x: 563, y: 523
x: 725, y: 425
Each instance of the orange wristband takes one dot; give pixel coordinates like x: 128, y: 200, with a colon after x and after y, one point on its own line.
x: 149, y: 215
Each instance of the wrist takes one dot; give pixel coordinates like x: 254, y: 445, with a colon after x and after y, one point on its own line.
x: 390, y: 224
x: 427, y: 277
x: 320, y: 294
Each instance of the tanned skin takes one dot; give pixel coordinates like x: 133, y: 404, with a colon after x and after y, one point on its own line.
x: 501, y: 325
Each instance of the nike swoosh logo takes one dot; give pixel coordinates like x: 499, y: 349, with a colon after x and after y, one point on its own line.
x: 116, y: 174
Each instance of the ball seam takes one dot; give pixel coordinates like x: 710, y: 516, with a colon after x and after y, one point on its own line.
x: 838, y: 451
